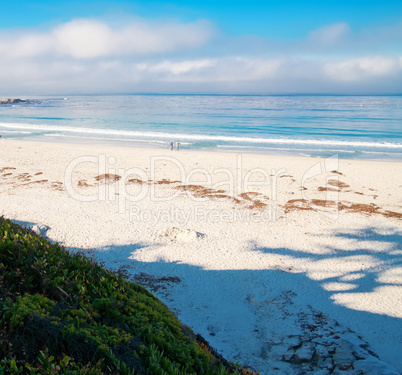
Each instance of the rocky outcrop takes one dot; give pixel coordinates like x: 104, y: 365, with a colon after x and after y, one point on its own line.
x: 15, y: 101
x: 327, y: 348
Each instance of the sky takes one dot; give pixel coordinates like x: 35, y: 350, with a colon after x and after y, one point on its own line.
x: 218, y: 47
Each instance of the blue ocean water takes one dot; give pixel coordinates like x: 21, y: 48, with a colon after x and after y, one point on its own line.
x: 351, y: 126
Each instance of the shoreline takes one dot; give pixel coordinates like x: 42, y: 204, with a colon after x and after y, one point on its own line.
x: 247, y: 249
x: 313, y: 153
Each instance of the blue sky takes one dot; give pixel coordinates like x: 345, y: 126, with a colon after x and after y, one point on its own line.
x: 272, y: 47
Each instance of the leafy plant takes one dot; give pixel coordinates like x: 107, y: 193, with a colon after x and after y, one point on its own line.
x: 63, y: 313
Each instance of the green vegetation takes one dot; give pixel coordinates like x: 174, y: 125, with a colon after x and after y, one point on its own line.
x: 63, y: 313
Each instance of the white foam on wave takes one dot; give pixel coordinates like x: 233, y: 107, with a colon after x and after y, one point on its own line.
x: 137, y: 135
x: 94, y: 138
x: 17, y: 132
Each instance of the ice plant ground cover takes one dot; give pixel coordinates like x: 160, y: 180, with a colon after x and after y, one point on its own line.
x: 65, y: 313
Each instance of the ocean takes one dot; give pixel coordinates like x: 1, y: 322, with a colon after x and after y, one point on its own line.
x: 365, y: 127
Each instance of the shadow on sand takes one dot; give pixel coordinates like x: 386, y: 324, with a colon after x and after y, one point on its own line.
x: 244, y: 312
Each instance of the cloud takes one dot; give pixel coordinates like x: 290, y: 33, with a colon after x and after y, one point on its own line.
x: 179, y: 68
x: 219, y: 74
x: 25, y: 46
x: 223, y: 69
x: 360, y: 68
x: 92, y: 39
x: 329, y: 36
x: 88, y: 56
x: 82, y: 39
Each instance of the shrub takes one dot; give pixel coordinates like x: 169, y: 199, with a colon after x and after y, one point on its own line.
x: 63, y: 313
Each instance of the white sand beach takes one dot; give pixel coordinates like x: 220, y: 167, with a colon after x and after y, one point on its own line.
x: 283, y: 264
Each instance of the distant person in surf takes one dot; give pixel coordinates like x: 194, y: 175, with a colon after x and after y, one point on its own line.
x: 177, y: 145
x: 171, y: 145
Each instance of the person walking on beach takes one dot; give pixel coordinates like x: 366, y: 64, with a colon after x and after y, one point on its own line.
x: 171, y: 146
x: 177, y: 145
